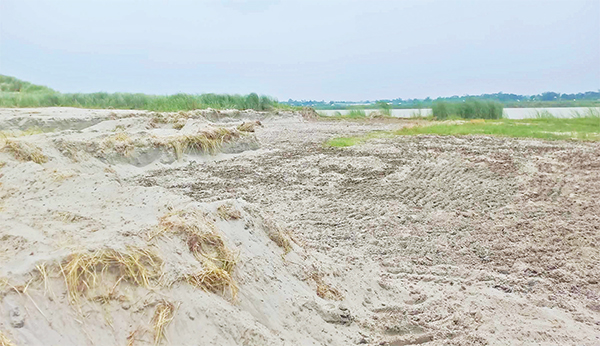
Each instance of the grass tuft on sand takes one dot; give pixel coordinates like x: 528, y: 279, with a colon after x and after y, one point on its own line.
x: 24, y: 151
x: 163, y: 316
x: 278, y: 235
x: 208, y: 141
x: 218, y: 261
x: 228, y: 212
x: 4, y: 340
x: 214, y: 279
x: 85, y: 271
x: 249, y: 126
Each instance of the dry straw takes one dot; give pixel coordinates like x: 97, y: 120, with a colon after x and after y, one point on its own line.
x: 325, y: 290
x: 4, y: 341
x: 278, y: 235
x: 205, y: 141
x: 24, y: 151
x: 85, y: 271
x: 228, y: 212
x: 163, y: 316
x: 249, y: 126
x: 218, y: 261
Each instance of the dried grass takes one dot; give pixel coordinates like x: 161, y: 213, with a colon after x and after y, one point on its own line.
x: 278, y: 235
x: 24, y: 151
x: 218, y: 261
x: 68, y: 149
x: 68, y: 217
x: 228, y: 212
x: 177, y: 119
x: 85, y: 271
x: 132, y: 337
x: 120, y: 142
x: 214, y: 279
x: 4, y: 341
x: 325, y: 290
x: 61, y: 176
x: 249, y: 126
x: 206, y: 141
x: 41, y: 268
x: 182, y: 222
x: 163, y: 316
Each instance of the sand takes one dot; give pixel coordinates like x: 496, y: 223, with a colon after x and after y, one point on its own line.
x: 399, y: 241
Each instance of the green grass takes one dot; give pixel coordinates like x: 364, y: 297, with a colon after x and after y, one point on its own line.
x: 356, y: 114
x: 12, y: 84
x: 341, y: 142
x: 585, y: 128
x: 353, y: 114
x: 16, y: 93
x: 470, y: 109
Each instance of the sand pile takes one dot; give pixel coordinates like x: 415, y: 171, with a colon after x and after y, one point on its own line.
x: 88, y: 257
x: 241, y: 228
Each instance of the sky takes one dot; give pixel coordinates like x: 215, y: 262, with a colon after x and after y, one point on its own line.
x: 304, y: 49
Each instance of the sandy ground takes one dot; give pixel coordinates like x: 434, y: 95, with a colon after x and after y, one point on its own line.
x: 400, y: 241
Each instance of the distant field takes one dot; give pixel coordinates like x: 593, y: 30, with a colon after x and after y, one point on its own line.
x: 586, y: 128
x: 17, y: 93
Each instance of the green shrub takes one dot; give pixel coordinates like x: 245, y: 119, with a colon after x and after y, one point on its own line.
x: 17, y: 93
x: 470, y: 109
x: 356, y: 113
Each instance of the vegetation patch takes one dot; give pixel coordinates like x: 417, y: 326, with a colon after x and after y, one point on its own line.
x: 24, y: 151
x: 4, y: 340
x: 325, y: 290
x: 228, y: 212
x: 208, y: 141
x: 163, y: 316
x: 17, y: 93
x: 341, y: 142
x: 218, y: 261
x: 213, y: 279
x: 85, y: 271
x: 249, y: 126
x: 585, y: 128
x: 278, y: 235
x: 469, y: 109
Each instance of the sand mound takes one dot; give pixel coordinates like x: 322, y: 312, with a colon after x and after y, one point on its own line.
x: 140, y: 228
x: 90, y: 257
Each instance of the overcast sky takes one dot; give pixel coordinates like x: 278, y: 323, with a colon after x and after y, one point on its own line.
x: 305, y: 49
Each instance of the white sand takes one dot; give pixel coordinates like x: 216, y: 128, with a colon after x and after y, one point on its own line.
x: 389, y: 257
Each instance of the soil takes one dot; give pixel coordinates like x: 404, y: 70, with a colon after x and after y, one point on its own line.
x: 429, y: 240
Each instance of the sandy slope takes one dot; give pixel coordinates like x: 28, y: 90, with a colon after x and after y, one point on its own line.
x: 399, y: 241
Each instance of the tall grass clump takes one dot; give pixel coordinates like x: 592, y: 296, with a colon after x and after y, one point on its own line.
x: 470, y: 109
x: 592, y: 113
x: 4, y: 340
x: 16, y: 93
x: 13, y: 85
x: 356, y: 113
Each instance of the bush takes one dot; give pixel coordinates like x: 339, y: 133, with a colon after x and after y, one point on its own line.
x: 17, y: 93
x: 470, y: 109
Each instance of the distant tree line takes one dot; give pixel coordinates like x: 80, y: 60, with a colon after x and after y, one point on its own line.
x: 549, y: 99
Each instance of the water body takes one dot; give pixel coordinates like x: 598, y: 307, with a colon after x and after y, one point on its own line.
x: 511, y: 113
